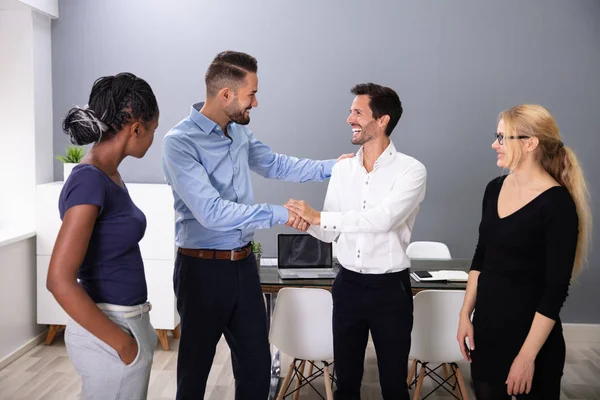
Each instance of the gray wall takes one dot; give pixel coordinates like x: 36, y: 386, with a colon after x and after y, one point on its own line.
x: 455, y: 65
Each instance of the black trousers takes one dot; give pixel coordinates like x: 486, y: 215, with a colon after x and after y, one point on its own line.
x: 214, y: 298
x: 382, y: 304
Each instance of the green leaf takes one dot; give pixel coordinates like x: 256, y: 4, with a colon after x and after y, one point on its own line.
x: 73, y: 154
x: 256, y: 247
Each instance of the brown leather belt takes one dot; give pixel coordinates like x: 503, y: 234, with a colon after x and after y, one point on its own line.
x: 232, y: 255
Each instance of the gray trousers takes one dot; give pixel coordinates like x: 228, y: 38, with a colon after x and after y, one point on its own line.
x: 104, y: 375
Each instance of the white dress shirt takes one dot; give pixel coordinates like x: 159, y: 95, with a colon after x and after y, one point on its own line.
x: 371, y: 215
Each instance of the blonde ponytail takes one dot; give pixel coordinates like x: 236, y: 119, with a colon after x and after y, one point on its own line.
x: 564, y: 167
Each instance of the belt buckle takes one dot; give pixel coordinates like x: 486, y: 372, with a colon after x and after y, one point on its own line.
x: 232, y: 255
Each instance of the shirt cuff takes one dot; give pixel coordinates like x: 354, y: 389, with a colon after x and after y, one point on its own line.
x: 328, y: 167
x: 313, y: 230
x: 331, y: 221
x: 280, y: 215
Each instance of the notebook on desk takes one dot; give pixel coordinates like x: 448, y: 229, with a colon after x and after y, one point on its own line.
x: 440, y: 276
x: 302, y: 256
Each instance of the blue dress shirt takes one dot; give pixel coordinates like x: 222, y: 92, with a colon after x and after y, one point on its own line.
x: 210, y: 178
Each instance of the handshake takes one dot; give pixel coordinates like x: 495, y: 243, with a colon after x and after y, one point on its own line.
x: 301, y: 215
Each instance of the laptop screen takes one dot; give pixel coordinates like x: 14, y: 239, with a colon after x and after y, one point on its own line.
x: 303, y: 251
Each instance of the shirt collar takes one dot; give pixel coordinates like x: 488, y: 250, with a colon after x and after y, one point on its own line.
x: 388, y: 155
x: 207, y: 125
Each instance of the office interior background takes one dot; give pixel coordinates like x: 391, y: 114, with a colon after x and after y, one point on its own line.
x: 455, y: 66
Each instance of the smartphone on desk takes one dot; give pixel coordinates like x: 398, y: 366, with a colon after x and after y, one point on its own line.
x: 423, y: 274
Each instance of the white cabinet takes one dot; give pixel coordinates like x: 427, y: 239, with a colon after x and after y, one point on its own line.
x: 47, y: 218
x: 159, y: 276
x: 49, y: 312
x: 157, y: 248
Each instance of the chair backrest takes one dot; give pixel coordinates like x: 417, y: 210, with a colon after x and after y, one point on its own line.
x: 429, y: 250
x: 301, y: 326
x: 435, y: 326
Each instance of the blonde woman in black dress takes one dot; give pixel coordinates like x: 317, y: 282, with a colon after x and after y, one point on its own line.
x: 533, y: 240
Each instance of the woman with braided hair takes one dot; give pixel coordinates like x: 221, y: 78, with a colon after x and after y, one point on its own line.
x: 533, y: 239
x: 96, y: 270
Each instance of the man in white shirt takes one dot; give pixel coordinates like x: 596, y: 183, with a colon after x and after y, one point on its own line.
x: 370, y: 209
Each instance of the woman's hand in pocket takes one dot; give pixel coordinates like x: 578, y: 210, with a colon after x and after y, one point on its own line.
x: 128, y: 350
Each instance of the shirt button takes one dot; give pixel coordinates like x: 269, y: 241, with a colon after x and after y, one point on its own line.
x: 359, y: 250
x: 367, y: 182
x: 358, y: 256
x: 325, y: 227
x: 334, y: 227
x: 364, y: 207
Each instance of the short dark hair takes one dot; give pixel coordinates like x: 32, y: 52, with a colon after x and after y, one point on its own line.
x: 383, y: 101
x: 114, y: 101
x: 228, y: 69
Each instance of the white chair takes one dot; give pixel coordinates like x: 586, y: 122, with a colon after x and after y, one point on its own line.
x: 301, y: 327
x: 428, y: 250
x: 434, y: 341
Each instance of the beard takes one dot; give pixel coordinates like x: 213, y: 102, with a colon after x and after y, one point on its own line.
x: 364, y: 136
x: 237, y: 113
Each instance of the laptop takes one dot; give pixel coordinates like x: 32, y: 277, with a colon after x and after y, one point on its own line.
x: 302, y: 256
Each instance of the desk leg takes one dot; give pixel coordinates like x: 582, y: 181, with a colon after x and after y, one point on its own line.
x: 276, y: 361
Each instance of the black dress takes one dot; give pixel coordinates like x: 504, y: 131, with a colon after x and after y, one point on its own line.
x: 526, y: 260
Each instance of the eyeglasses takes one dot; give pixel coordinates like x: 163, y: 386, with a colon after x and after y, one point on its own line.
x: 500, y: 137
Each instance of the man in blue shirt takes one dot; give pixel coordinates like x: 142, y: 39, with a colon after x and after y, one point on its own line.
x: 207, y: 158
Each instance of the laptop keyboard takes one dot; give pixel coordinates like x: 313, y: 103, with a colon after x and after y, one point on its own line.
x: 327, y: 273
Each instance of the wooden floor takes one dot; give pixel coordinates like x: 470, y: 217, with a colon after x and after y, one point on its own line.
x: 45, y: 372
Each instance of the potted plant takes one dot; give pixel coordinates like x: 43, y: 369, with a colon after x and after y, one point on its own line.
x: 73, y: 156
x: 257, y: 250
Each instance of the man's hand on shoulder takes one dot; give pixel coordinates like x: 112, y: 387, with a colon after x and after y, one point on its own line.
x: 348, y: 155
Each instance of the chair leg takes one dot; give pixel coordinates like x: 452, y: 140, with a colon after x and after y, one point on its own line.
x: 461, y: 384
x: 299, y: 379
x: 287, y: 380
x: 310, y: 369
x: 327, y: 382
x: 417, y: 395
x: 445, y: 370
x: 411, y: 373
x: 446, y: 373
